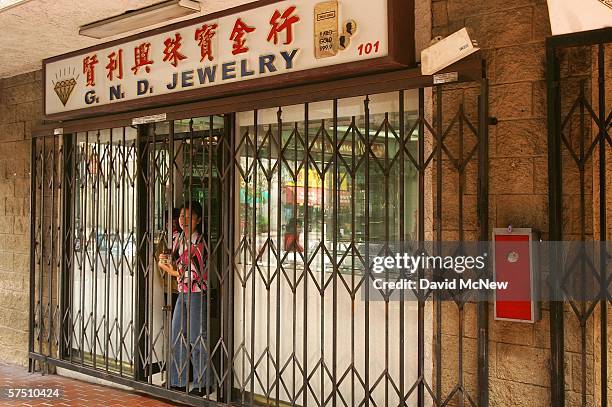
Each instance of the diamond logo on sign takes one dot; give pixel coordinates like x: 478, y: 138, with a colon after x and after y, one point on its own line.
x: 63, y: 87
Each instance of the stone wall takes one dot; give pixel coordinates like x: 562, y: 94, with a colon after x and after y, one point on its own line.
x: 512, y: 35
x: 20, y: 110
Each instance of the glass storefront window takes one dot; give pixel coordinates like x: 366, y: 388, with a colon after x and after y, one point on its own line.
x: 306, y: 174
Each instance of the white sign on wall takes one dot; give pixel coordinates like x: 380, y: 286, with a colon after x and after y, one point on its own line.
x: 570, y: 16
x: 276, y: 39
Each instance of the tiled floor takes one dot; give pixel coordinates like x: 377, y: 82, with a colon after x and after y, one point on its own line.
x: 74, y: 392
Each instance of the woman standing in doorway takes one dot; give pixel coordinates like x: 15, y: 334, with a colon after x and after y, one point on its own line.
x: 192, y: 275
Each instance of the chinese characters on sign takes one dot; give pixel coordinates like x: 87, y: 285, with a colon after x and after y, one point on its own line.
x: 141, y: 57
x: 238, y: 37
x: 172, y: 51
x: 204, y: 37
x: 89, y: 66
x: 115, y: 65
x: 287, y: 25
x: 268, y: 40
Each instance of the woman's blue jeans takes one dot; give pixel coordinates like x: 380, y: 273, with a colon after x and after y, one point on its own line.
x: 179, y: 366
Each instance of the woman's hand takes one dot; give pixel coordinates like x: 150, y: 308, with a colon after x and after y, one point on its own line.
x: 163, y: 259
x: 165, y: 265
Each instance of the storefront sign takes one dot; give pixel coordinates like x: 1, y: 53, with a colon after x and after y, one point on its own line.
x: 257, y: 46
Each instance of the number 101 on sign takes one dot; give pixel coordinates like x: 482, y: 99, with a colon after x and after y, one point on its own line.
x: 369, y: 48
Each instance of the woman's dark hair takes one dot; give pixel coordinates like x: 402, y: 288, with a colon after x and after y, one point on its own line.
x: 175, y: 214
x: 195, y: 207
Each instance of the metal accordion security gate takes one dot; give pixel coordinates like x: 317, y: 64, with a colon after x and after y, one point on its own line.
x: 579, y: 117
x: 290, y: 198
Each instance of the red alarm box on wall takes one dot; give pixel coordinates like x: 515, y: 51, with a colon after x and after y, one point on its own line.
x: 514, y: 262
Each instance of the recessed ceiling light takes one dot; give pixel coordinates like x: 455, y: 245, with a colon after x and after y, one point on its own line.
x: 144, y: 17
x: 7, y: 4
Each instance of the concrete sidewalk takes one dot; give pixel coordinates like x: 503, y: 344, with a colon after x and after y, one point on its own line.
x: 73, y: 392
